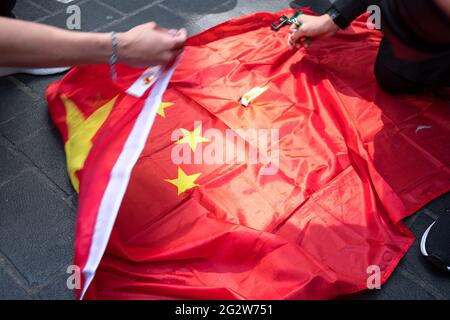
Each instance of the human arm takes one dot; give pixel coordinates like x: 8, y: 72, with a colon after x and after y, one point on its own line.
x: 326, y: 25
x: 28, y: 44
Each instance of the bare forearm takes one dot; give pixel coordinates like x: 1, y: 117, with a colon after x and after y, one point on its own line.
x: 26, y: 44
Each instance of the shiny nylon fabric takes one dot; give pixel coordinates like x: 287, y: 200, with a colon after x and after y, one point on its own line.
x: 353, y: 162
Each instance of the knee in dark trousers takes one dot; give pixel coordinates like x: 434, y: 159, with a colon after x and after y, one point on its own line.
x: 6, y: 8
x: 390, y: 81
x: 393, y: 83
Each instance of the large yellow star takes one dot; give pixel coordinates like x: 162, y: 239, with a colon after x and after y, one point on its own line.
x: 184, y: 182
x: 193, y: 138
x: 163, y: 106
x: 80, y: 134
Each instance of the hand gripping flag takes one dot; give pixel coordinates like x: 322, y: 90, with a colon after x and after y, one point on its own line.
x: 186, y: 212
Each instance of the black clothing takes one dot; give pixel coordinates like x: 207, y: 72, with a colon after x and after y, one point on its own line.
x: 6, y: 7
x: 436, y: 242
x: 419, y: 25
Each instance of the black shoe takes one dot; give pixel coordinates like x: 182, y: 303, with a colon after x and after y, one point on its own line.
x: 435, y: 243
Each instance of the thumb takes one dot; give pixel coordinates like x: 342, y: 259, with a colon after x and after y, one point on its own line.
x: 179, y: 38
x: 300, y: 33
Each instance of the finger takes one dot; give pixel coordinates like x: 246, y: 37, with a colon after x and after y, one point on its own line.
x: 179, y: 39
x: 173, y: 40
x: 159, y: 28
x: 171, y: 32
x: 301, y: 43
x: 290, y: 42
x: 176, y: 53
x: 293, y: 46
x: 168, y: 56
x: 307, y: 42
x: 182, y: 33
x: 290, y: 39
x: 152, y: 25
x: 303, y: 18
x: 300, y: 33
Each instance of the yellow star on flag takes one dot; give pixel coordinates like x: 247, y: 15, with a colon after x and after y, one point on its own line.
x: 80, y: 134
x: 184, y: 182
x: 163, y: 106
x: 193, y: 138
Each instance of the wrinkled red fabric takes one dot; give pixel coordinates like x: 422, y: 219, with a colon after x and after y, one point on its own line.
x: 354, y: 161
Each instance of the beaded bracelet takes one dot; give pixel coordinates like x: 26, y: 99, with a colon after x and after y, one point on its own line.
x: 114, y: 57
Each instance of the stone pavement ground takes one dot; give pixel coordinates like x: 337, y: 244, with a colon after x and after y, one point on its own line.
x: 37, y: 202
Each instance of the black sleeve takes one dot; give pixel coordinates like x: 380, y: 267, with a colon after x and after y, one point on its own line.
x: 352, y: 9
x: 6, y: 7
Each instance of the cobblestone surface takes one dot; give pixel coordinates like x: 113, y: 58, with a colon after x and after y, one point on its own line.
x: 37, y: 203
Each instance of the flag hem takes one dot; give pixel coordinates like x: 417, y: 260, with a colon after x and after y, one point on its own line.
x: 120, y: 176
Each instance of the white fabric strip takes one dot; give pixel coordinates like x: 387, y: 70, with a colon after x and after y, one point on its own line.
x: 145, y: 81
x: 120, y: 176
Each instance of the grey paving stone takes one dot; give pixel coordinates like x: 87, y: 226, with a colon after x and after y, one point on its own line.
x: 419, y: 267
x: 129, y: 6
x: 318, y: 6
x: 38, y: 84
x: 53, y: 5
x: 46, y: 151
x: 36, y: 228
x: 10, y: 166
x: 160, y: 15
x: 93, y: 16
x: 57, y: 289
x: 264, y: 5
x: 26, y: 124
x: 9, y: 289
x: 27, y: 11
x: 195, y: 9
x: 212, y: 19
x: 13, y: 100
x: 73, y: 201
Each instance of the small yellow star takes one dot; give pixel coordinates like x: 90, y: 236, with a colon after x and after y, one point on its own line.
x: 163, y: 106
x: 184, y: 182
x: 193, y: 138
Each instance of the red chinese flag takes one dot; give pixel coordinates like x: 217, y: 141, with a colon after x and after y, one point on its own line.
x: 177, y: 214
